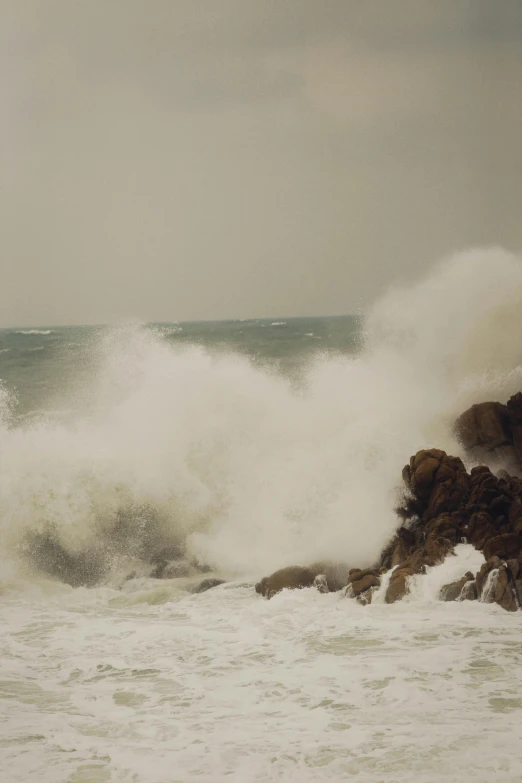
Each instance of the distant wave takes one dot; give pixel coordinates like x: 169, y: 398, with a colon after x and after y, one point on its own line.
x: 278, y: 323
x: 34, y: 331
x: 4, y: 350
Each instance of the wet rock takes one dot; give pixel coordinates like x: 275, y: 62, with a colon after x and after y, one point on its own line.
x: 207, y: 584
x: 479, y: 529
x: 398, y: 586
x: 321, y: 584
x: 356, y: 574
x: 495, y: 585
x: 453, y: 591
x: 503, y: 593
x: 505, y: 546
x: 364, y: 583
x: 438, y: 483
x: 335, y: 574
x: 514, y: 408
x: 290, y: 578
x: 484, y: 427
x: 436, y: 549
x: 366, y: 598
x: 515, y: 515
x: 514, y: 567
x: 469, y: 591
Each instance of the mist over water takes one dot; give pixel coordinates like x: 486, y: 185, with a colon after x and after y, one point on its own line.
x: 171, y: 444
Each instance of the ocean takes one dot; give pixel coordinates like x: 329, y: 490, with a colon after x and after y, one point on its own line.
x: 245, y: 446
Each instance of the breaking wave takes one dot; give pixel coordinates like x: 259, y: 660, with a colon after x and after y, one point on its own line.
x: 186, y: 453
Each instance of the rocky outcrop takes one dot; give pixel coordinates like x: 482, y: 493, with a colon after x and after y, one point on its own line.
x: 445, y: 505
x: 490, y: 429
x: 291, y: 578
x: 327, y: 577
x: 362, y: 584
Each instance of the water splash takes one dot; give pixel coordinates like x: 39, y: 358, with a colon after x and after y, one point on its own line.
x: 250, y: 473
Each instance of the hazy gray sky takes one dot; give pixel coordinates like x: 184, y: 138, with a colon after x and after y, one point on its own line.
x: 186, y: 159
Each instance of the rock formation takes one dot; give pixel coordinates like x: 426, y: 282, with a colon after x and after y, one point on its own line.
x: 444, y: 505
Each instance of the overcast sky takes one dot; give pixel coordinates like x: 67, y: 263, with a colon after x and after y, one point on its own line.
x: 187, y: 159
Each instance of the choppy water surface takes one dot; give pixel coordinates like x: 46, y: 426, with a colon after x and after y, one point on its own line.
x: 150, y: 684
x: 251, y: 445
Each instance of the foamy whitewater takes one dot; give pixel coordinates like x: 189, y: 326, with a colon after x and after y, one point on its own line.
x: 252, y: 464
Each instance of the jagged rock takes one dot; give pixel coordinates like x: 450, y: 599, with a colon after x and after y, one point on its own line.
x: 438, y: 483
x: 207, y: 584
x: 443, y: 506
x: 505, y: 546
x: 290, y: 578
x: 453, y: 591
x: 479, y: 529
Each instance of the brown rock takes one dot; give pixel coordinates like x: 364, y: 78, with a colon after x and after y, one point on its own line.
x: 439, y: 484
x: 366, y: 598
x: 480, y: 529
x: 423, y: 471
x: 436, y: 550
x: 453, y: 591
x: 484, y: 489
x: 515, y: 515
x: 514, y: 407
x: 514, y: 568
x: 469, y: 591
x: 503, y: 593
x: 364, y: 584
x: 398, y: 587
x: 495, y: 585
x: 506, y: 546
x: 290, y: 578
x: 484, y: 427
x: 358, y: 574
x: 336, y: 574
